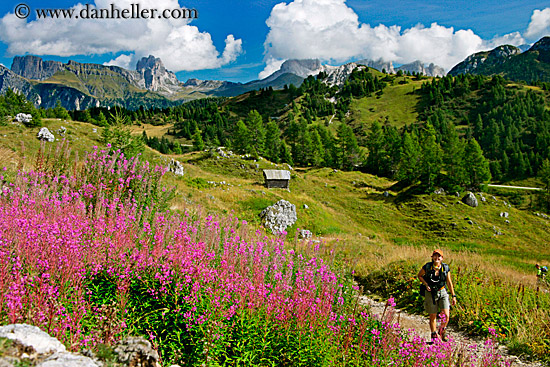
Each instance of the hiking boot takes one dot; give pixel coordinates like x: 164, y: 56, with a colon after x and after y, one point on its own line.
x: 434, y: 336
x: 443, y: 335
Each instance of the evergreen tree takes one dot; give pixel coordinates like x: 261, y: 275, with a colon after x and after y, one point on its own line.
x: 408, y: 168
x: 431, y: 158
x: 350, y: 154
x: 475, y: 165
x: 272, y: 142
x: 241, y: 142
x: 198, y: 143
x: 256, y: 130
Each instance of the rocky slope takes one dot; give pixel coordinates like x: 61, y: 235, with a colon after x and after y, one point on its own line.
x: 510, y: 62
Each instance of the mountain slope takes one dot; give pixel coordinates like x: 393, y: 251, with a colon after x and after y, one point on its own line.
x: 532, y: 65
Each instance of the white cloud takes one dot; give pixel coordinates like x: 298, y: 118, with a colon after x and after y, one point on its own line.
x: 124, y: 61
x: 539, y: 25
x: 330, y: 30
x: 272, y: 65
x: 180, y: 45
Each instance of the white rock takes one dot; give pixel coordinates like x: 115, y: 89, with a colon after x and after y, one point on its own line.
x: 45, y: 134
x: 23, y: 117
x: 32, y: 336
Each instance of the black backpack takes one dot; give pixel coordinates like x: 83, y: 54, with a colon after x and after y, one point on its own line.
x: 429, y: 278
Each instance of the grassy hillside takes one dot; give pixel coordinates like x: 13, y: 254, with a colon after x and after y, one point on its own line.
x: 361, y: 221
x: 398, y: 104
x: 350, y: 205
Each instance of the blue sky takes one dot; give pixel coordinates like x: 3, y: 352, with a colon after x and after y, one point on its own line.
x: 240, y: 40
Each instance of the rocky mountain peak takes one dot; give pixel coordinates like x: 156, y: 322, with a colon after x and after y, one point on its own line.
x: 155, y: 76
x: 33, y: 67
x: 150, y: 62
x: 504, y: 51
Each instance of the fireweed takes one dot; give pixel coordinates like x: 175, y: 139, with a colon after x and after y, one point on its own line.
x: 77, y: 260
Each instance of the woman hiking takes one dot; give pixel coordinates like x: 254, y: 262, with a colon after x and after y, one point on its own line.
x: 436, y: 277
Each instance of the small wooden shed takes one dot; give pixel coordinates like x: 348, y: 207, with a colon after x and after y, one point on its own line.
x: 275, y: 178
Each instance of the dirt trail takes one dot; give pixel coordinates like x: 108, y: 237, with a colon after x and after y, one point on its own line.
x: 420, y: 325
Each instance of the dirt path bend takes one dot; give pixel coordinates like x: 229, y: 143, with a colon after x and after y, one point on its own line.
x: 420, y: 325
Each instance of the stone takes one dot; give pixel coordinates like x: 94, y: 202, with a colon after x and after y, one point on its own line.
x: 62, y: 130
x: 470, y: 199
x: 23, y: 117
x: 68, y: 360
x: 33, y: 345
x: 439, y: 191
x: 471, y: 222
x: 305, y: 234
x: 306, y: 206
x: 386, y: 194
x: 457, y: 194
x: 176, y: 167
x: 504, y: 214
x: 136, y: 351
x: 32, y: 336
x: 279, y: 216
x: 45, y: 134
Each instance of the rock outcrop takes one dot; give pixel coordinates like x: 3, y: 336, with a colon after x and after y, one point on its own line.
x: 419, y: 67
x: 33, y: 67
x: 155, y: 77
x: 32, y: 346
x: 279, y: 216
x: 45, y: 134
x: 470, y: 199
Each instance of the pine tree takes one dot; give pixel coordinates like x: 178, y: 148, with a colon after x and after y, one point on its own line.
x: 408, y: 168
x: 431, y: 159
x: 475, y: 165
x: 198, y: 143
x: 241, y: 142
x: 256, y: 130
x: 272, y: 141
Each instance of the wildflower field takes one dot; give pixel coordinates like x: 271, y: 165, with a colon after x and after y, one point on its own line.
x: 90, y: 254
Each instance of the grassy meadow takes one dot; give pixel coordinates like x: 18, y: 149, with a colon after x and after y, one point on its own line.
x: 382, y: 239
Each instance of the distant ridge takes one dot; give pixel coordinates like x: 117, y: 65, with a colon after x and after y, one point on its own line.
x: 510, y: 62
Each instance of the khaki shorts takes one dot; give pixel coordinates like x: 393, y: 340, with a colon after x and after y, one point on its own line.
x: 441, y: 301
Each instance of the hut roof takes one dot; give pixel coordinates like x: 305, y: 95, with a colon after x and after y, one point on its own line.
x: 276, y: 174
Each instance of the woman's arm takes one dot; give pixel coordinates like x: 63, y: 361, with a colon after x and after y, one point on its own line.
x: 451, y: 288
x: 421, y: 274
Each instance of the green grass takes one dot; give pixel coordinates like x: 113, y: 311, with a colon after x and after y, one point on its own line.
x: 398, y: 104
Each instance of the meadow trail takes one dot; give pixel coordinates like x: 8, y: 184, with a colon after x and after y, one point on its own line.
x: 419, y: 324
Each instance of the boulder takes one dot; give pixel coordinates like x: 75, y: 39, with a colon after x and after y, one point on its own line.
x: 136, y: 351
x: 45, y: 134
x: 176, y: 167
x: 32, y: 346
x: 279, y: 216
x: 23, y: 117
x: 470, y: 199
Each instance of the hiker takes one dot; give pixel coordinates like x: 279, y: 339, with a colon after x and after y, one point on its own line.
x: 436, y: 277
x: 541, y: 273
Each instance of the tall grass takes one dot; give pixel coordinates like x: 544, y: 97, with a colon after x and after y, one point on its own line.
x: 90, y: 255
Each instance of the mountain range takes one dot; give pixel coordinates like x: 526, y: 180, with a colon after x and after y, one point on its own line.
x: 510, y: 62
x: 83, y: 85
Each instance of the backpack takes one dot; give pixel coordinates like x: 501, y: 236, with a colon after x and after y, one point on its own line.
x: 544, y: 269
x: 442, y: 283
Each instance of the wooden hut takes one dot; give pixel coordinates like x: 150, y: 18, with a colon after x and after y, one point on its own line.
x: 275, y: 178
